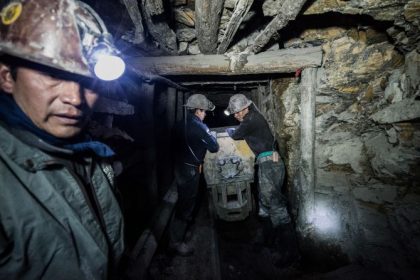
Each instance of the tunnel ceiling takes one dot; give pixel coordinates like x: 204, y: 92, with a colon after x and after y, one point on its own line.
x: 223, y: 45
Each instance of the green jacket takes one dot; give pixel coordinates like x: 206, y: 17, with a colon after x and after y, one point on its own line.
x: 47, y: 230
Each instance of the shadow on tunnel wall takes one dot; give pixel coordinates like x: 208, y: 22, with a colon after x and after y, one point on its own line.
x: 147, y: 161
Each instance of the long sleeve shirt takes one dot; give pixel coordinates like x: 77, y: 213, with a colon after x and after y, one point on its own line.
x: 192, y: 140
x: 255, y: 131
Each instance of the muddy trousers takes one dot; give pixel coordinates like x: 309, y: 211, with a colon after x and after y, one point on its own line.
x: 188, y: 179
x: 272, y: 203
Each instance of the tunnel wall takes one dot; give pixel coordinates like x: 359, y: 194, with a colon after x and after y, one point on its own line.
x: 138, y: 127
x: 366, y: 153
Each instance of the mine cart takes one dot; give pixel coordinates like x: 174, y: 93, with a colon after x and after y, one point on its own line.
x: 229, y: 174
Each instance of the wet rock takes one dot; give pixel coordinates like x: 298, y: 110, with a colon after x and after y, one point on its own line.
x: 412, y: 70
x: 407, y: 109
x: 193, y: 48
x: 392, y: 134
x: 186, y: 34
x: 376, y: 193
x: 350, y: 65
x: 182, y: 48
x: 342, y: 149
x: 185, y: 16
x: 386, y: 159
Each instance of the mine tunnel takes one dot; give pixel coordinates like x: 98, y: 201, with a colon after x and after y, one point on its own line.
x: 339, y: 87
x: 323, y: 159
x: 320, y: 161
x: 338, y: 83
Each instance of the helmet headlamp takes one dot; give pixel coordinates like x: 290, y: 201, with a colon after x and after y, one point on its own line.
x: 105, y: 61
x: 73, y: 38
x: 102, y: 56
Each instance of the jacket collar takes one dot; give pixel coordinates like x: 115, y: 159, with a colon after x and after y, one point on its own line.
x: 18, y: 146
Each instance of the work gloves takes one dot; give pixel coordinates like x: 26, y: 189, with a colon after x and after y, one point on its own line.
x: 213, y: 133
x: 230, y: 131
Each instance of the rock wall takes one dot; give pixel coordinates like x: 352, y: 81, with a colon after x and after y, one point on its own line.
x: 367, y: 149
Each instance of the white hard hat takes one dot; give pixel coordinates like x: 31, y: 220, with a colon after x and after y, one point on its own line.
x: 199, y: 101
x: 237, y: 103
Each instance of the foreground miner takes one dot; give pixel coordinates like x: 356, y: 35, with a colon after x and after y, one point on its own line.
x: 192, y: 140
x: 59, y: 218
x: 272, y: 204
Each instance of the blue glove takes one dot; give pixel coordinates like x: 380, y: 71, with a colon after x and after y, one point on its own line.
x: 213, y: 134
x: 230, y: 131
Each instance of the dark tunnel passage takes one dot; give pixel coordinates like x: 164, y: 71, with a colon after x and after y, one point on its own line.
x: 223, y: 249
x: 228, y: 248
x: 233, y: 249
x: 238, y: 242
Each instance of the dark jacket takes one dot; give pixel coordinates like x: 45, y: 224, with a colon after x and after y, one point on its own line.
x: 192, y: 140
x: 256, y: 132
x: 47, y: 229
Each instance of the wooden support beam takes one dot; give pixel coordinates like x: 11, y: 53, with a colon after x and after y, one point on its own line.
x: 135, y: 15
x: 156, y: 7
x: 207, y: 20
x: 158, y: 27
x: 217, y: 88
x: 224, y: 83
x: 280, y: 61
x: 241, y: 9
x: 288, y: 11
x: 306, y: 172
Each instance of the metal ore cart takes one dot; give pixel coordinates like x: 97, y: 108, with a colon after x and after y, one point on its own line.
x: 229, y: 174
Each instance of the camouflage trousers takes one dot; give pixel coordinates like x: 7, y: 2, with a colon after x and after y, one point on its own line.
x: 272, y: 203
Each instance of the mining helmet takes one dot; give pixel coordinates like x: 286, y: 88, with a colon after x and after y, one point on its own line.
x: 67, y: 35
x: 199, y: 101
x: 237, y: 103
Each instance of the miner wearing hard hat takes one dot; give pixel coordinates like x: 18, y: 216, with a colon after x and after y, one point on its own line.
x: 192, y: 140
x: 59, y: 217
x: 273, y: 213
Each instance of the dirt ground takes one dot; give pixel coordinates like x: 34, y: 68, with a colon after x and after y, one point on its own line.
x: 234, y: 251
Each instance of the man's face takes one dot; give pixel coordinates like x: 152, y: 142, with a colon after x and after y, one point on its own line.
x: 241, y: 114
x: 59, y: 107
x: 201, y: 114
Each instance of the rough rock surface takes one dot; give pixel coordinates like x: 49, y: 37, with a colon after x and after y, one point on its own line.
x: 367, y: 150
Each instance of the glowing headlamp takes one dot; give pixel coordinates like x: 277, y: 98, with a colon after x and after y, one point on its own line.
x: 99, y: 51
x: 105, y: 62
x: 226, y: 112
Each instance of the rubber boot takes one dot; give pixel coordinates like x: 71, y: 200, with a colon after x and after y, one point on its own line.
x: 176, y: 238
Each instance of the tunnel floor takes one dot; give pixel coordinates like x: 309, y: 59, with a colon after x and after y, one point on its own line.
x: 223, y: 250
x: 231, y: 251
x: 243, y: 256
